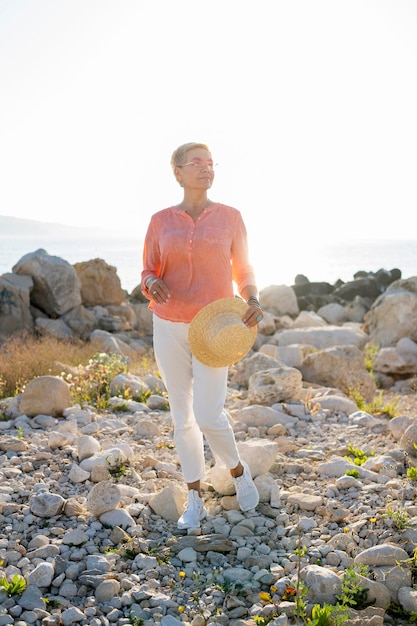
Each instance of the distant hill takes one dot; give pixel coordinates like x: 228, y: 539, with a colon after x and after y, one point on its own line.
x: 17, y: 227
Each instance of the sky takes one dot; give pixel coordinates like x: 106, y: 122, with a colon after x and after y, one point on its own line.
x: 308, y: 106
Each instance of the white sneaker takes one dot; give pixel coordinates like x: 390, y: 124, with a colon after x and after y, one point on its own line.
x: 246, y: 493
x: 193, y: 514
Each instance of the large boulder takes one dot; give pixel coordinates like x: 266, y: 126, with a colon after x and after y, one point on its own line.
x: 81, y: 321
x: 45, y: 395
x: 394, y: 314
x: 324, y: 337
x: 144, y: 321
x: 56, y: 287
x: 342, y: 367
x: 399, y: 360
x: 279, y: 300
x: 278, y: 384
x: 364, y: 286
x: 257, y: 362
x: 100, y: 283
x: 15, y: 303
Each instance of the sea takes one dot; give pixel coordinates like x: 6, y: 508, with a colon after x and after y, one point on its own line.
x: 329, y: 261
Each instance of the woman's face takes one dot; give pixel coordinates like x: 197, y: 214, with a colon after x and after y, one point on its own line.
x: 198, y: 169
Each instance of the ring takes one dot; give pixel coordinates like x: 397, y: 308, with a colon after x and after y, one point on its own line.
x: 154, y: 291
x: 259, y: 318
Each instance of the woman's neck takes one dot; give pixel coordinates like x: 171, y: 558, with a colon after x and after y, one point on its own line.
x: 194, y: 204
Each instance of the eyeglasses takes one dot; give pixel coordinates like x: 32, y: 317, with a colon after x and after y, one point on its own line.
x: 200, y: 165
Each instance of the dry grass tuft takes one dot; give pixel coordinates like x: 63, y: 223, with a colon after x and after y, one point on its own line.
x: 24, y: 356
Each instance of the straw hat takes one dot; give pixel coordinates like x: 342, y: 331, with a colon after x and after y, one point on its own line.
x: 217, y: 335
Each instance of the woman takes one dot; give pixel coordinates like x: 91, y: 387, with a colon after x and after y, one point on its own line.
x: 193, y: 252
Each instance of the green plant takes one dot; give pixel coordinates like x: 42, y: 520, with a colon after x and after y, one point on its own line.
x: 353, y: 594
x: 357, y: 455
x: 321, y: 615
x: 396, y: 611
x: 15, y: 586
x: 263, y: 620
x: 228, y: 587
x: 20, y: 435
x: 119, y: 469
x: 377, y: 407
x: 136, y: 621
x: 92, y: 384
x: 411, y: 563
x: 412, y: 473
x: 352, y: 472
x: 369, y: 355
x: 300, y: 589
x: 399, y: 517
x: 143, y: 397
x: 161, y: 553
x: 52, y: 603
x: 130, y: 554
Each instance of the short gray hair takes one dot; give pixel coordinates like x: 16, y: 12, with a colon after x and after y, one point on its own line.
x: 178, y: 156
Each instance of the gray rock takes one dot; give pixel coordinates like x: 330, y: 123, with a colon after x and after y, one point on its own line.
x: 342, y: 367
x: 15, y: 312
x: 274, y: 385
x: 323, y: 584
x: 32, y: 598
x: 103, y: 497
x: 46, y: 504
x: 56, y: 287
x: 323, y: 338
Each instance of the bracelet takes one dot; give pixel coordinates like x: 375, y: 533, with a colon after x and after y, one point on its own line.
x: 253, y: 300
x: 150, y: 281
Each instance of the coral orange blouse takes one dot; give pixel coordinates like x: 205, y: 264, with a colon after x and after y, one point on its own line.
x: 198, y: 260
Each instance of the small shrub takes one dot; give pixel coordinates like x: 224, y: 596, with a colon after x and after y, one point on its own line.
x: 91, y: 384
x: 353, y: 594
x: 377, y: 407
x: 399, y: 518
x: 397, y: 612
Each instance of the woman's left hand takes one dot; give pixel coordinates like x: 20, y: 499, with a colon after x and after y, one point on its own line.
x: 253, y: 315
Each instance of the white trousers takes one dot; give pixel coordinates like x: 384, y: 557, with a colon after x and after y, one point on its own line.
x: 196, y: 394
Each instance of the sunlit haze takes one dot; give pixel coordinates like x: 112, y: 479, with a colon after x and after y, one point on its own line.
x: 309, y: 106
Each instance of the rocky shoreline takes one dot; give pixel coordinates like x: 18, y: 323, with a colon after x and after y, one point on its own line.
x: 89, y: 499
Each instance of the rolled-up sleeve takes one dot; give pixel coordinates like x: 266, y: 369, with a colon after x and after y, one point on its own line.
x: 151, y: 255
x: 242, y: 270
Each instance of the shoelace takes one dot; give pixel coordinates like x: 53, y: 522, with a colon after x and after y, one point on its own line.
x: 192, y: 504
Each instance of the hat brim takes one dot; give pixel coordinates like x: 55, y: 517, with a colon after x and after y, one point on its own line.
x: 237, y: 339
